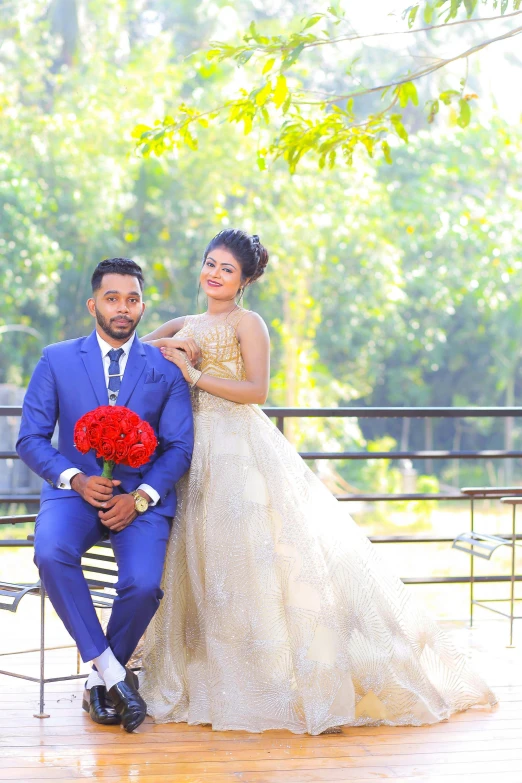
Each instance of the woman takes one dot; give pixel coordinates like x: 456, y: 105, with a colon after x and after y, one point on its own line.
x: 278, y: 613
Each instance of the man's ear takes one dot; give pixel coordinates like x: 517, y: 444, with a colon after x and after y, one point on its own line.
x: 91, y: 307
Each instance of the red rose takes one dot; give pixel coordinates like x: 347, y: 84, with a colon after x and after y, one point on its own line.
x: 107, y: 450
x: 121, y: 449
x: 130, y: 421
x: 137, y: 456
x: 125, y: 426
x: 146, y: 427
x: 87, y: 419
x: 81, y: 439
x: 148, y: 439
x: 132, y: 437
x: 95, y: 431
x: 110, y: 432
x: 117, y: 434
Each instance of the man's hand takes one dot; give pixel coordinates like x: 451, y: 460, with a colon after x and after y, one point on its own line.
x: 119, y: 512
x: 95, y: 490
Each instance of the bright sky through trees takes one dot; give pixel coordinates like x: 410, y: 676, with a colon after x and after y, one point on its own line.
x: 496, y: 67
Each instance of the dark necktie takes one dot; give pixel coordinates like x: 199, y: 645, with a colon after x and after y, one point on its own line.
x: 114, y: 373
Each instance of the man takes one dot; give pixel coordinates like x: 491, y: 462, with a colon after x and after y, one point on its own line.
x: 78, y: 506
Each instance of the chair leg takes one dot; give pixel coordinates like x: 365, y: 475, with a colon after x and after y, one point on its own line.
x: 42, y: 714
x: 471, y: 567
x: 512, y: 594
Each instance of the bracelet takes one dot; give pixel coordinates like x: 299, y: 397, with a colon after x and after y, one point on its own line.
x: 193, y: 374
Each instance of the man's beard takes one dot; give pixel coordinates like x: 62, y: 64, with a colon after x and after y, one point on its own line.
x: 116, y: 332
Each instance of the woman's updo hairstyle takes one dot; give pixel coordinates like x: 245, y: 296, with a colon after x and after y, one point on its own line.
x: 248, y: 251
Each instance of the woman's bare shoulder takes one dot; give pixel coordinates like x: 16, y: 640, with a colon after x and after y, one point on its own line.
x: 251, y: 323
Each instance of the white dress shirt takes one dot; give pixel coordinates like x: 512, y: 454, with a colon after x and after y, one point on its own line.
x: 66, y: 476
x: 105, y: 348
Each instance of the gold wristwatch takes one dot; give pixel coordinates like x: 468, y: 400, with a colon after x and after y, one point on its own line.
x: 140, y: 504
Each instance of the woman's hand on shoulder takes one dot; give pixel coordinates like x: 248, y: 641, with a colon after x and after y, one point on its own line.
x: 179, y: 358
x: 187, y: 344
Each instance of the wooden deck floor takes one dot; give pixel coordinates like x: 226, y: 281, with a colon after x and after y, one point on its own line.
x: 479, y: 746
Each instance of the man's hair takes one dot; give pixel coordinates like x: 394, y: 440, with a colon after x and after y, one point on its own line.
x: 116, y: 266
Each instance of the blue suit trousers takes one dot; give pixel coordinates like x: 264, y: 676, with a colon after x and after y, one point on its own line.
x: 65, y: 529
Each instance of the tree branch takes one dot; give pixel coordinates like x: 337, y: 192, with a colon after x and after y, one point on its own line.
x: 298, y: 135
x: 441, y: 63
x: 341, y: 39
x: 374, y: 117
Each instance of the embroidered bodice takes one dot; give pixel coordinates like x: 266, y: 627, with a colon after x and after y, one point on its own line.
x: 217, y: 338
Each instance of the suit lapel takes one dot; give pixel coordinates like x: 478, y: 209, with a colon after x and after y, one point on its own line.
x: 134, y: 368
x: 92, y: 359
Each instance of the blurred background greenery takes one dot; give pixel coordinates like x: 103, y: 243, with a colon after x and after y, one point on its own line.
x: 388, y: 285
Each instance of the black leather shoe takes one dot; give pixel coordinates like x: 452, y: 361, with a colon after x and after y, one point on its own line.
x: 96, y: 704
x: 128, y: 703
x: 132, y: 678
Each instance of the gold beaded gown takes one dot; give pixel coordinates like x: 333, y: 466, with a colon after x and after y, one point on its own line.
x: 278, y: 613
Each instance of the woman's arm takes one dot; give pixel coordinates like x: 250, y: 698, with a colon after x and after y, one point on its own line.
x: 168, y: 329
x: 255, y: 350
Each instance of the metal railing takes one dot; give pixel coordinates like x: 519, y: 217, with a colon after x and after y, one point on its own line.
x: 281, y: 414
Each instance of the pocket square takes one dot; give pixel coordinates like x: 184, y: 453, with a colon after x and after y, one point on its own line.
x: 153, y: 376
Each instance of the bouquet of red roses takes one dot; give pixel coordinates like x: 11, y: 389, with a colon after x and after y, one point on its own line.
x: 118, y: 435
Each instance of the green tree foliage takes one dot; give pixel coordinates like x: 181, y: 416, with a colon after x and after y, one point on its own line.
x: 292, y: 99
x: 387, y: 284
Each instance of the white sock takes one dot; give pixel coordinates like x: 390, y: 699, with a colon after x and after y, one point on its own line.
x: 93, y: 679
x: 109, y: 668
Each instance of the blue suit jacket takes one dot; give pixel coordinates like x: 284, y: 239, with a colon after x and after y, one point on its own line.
x: 69, y: 381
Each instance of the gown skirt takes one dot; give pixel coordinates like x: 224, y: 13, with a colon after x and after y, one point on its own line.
x: 278, y: 612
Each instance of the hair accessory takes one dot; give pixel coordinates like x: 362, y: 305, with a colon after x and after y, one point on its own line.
x: 255, y: 239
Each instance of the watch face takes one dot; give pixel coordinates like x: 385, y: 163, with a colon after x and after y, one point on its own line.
x: 141, y: 504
